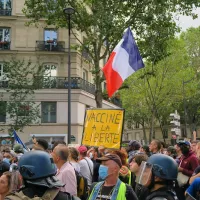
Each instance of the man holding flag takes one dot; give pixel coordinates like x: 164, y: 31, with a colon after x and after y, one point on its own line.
x: 124, y: 61
x: 18, y: 141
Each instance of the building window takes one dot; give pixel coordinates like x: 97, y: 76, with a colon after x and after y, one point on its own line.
x: 137, y: 125
x: 85, y: 74
x: 5, y: 4
x: 4, y: 34
x: 50, y: 36
x: 50, y: 70
x: 2, y: 111
x: 48, y: 112
x: 23, y: 109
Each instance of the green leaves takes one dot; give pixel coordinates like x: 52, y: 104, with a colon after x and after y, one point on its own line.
x: 102, y: 24
x: 20, y: 107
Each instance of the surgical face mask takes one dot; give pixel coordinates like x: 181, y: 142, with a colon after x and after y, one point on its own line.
x: 91, y: 155
x: 6, y: 160
x: 103, y: 172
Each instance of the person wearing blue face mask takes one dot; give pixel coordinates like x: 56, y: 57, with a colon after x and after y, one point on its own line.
x: 111, y: 187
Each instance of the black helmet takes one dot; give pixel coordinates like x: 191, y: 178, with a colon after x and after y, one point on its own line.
x: 164, y: 166
x: 36, y: 164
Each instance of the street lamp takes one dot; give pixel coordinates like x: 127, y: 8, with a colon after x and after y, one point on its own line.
x: 68, y: 12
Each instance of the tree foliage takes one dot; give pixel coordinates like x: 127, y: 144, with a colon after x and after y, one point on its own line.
x: 20, y: 108
x: 172, y: 81
x: 103, y: 22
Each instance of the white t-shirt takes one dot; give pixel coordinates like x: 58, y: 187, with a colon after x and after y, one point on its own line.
x: 84, y: 169
x: 75, y: 166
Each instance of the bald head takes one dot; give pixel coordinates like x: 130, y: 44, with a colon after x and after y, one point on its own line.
x: 62, y: 151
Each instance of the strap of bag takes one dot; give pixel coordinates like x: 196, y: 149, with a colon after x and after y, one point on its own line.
x: 88, y: 166
x: 50, y: 193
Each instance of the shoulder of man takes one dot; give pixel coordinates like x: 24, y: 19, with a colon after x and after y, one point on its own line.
x: 130, y: 194
x: 162, y: 195
x: 65, y: 196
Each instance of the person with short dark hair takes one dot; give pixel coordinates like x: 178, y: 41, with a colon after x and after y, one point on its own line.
x: 193, y: 145
x: 65, y: 171
x: 139, y: 189
x: 171, y: 151
x: 55, y: 143
x: 40, y: 144
x: 145, y: 149
x: 133, y: 148
x: 155, y: 146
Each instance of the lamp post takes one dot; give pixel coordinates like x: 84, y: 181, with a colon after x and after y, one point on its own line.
x: 68, y: 12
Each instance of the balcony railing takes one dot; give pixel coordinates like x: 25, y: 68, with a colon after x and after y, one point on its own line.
x: 4, y: 45
x: 50, y: 46
x: 49, y: 82
x: 45, y: 82
x: 5, y: 12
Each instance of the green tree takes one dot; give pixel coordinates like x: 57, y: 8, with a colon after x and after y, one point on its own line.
x: 103, y: 22
x: 156, y: 91
x: 18, y: 97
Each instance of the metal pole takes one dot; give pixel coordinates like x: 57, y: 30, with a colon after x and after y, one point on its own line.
x: 69, y: 84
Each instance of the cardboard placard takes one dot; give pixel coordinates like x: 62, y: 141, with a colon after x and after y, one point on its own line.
x: 103, y: 127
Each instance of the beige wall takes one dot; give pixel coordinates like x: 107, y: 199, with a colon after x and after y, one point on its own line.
x: 23, y: 43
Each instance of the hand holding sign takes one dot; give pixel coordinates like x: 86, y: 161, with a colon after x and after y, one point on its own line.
x: 103, y: 127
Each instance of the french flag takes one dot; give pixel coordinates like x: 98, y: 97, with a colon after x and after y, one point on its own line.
x: 124, y: 61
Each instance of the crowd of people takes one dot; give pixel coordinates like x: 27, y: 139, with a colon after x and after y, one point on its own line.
x: 137, y: 172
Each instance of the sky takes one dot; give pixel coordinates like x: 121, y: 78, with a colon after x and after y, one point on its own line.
x: 186, y: 22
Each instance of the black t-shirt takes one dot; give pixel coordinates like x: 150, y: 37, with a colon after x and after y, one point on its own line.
x: 105, y: 193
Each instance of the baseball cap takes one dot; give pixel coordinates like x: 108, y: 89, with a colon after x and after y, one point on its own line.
x: 184, y: 143
x: 111, y: 156
x: 82, y: 149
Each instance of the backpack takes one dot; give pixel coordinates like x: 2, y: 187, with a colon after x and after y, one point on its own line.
x: 82, y: 186
x: 50, y: 194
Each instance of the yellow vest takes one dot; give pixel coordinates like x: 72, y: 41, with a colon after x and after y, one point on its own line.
x: 121, y: 195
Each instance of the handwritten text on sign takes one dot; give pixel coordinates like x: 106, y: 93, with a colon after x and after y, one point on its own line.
x: 103, y: 127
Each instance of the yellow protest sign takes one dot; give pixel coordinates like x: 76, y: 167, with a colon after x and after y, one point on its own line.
x: 103, y: 127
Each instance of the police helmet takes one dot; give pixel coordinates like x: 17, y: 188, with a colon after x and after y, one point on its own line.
x: 36, y: 164
x: 164, y: 166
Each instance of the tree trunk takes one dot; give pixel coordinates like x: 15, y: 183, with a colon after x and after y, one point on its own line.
x: 98, y: 98
x: 152, y: 125
x: 144, y: 133
x: 98, y: 81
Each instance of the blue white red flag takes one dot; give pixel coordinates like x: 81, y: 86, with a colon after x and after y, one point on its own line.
x: 124, y: 61
x: 18, y: 140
